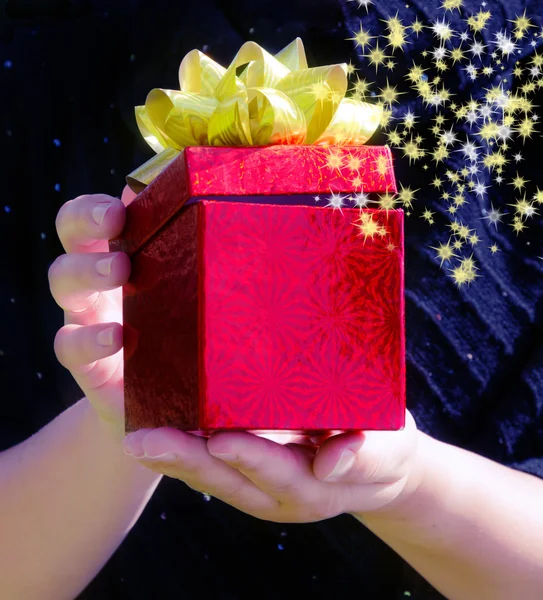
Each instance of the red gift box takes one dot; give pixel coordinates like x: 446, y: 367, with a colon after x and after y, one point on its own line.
x: 253, y: 305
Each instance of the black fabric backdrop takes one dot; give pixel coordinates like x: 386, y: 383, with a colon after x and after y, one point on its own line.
x: 70, y: 75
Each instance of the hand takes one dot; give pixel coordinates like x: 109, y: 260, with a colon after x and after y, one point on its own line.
x: 86, y: 282
x: 349, y: 473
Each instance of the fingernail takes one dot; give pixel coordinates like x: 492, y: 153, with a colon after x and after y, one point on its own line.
x: 105, y: 337
x: 98, y: 212
x: 132, y: 446
x: 345, y: 462
x: 169, y: 457
x: 103, y: 266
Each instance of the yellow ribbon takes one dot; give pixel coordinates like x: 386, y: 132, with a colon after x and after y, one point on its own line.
x: 258, y: 100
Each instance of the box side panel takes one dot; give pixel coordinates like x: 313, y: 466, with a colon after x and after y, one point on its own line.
x: 303, y: 318
x: 153, y: 207
x: 161, y: 329
x: 289, y: 170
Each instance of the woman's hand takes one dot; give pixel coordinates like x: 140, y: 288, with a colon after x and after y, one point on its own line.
x: 348, y: 473
x: 86, y: 283
x: 354, y: 472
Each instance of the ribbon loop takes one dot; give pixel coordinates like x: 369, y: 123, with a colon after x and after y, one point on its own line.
x: 259, y: 99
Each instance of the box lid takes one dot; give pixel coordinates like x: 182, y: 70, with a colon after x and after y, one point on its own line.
x: 204, y: 171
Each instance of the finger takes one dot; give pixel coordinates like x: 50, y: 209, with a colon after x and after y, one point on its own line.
x: 76, y: 280
x: 86, y: 223
x: 283, y: 472
x: 365, y: 457
x: 186, y: 457
x: 77, y: 348
x: 127, y: 195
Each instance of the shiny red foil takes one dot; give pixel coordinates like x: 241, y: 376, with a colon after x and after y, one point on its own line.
x: 241, y: 315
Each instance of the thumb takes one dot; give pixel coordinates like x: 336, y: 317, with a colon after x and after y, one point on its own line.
x: 366, y: 457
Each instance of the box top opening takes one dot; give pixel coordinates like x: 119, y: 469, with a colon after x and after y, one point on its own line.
x: 254, y: 171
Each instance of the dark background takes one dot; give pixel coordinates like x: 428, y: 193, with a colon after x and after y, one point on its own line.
x: 70, y: 75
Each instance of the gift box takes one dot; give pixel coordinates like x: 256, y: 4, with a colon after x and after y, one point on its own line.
x: 258, y: 300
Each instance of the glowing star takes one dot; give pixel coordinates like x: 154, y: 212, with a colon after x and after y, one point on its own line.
x: 480, y: 189
x: 394, y: 137
x: 474, y: 239
x: 462, y: 276
x: 445, y: 252
x: 350, y: 69
x: 317, y: 198
x: 409, y: 119
x: 471, y: 70
x: 362, y: 3
x: 377, y: 57
x: 439, y: 53
x: 454, y: 226
x: 336, y: 201
x: 387, y: 201
x: 448, y: 137
x: 517, y: 225
x: 478, y: 22
x: 526, y: 128
x: 456, y: 55
x: 357, y: 182
x: 416, y: 27
x: 360, y: 199
x: 428, y: 215
x: 382, y: 165
x: 459, y: 200
x: 334, y: 160
x: 362, y: 37
x: 505, y: 43
x: 473, y: 170
x: 519, y: 182
x: 524, y: 209
x: 442, y: 30
x: 368, y: 227
x: 494, y: 248
x: 396, y: 33
x: 538, y: 197
x: 415, y: 73
x: 452, y: 5
x: 406, y: 196
x: 321, y: 91
x: 354, y: 163
x: 411, y: 150
x: 361, y: 87
x: 522, y: 24
x: 440, y: 153
x: 389, y: 94
x: 463, y: 232
x: 477, y: 49
x: 470, y: 150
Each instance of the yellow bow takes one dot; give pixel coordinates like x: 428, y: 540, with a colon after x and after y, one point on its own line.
x: 259, y: 100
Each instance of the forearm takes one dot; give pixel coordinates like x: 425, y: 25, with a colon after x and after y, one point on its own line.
x: 473, y: 528
x: 68, y: 497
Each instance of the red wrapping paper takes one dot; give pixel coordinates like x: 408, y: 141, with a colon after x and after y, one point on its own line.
x: 252, y: 307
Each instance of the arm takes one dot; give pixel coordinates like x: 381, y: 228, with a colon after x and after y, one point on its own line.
x: 473, y: 528
x: 69, y: 496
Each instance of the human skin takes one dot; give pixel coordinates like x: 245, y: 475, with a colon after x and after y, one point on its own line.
x: 471, y: 527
